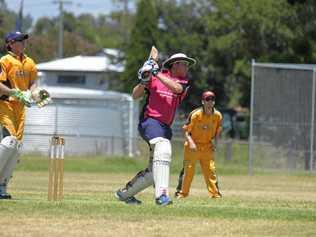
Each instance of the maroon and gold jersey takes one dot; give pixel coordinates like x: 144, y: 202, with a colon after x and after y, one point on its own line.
x: 16, y: 73
x: 203, y: 128
x: 19, y: 74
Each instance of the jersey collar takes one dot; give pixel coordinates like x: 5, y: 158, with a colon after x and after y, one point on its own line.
x: 16, y: 56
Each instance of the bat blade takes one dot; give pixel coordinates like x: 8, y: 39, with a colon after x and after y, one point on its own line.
x: 153, y: 54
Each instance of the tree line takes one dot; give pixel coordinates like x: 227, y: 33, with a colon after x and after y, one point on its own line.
x: 224, y: 36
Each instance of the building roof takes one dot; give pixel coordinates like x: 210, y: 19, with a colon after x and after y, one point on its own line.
x: 81, y: 93
x: 110, y: 52
x: 81, y: 64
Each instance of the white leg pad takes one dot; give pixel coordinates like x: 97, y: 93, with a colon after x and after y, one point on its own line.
x: 161, y: 165
x: 5, y: 154
x: 7, y: 147
x: 10, y: 147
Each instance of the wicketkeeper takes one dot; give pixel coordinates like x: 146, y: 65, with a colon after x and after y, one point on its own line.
x: 18, y: 74
x: 164, y: 92
x: 202, y: 127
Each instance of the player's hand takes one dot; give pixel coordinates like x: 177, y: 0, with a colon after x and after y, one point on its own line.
x: 143, y: 76
x: 149, y: 68
x: 41, y: 97
x: 22, y: 96
x: 154, y: 66
x: 192, y: 146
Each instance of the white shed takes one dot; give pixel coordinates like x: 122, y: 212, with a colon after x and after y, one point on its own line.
x: 91, y: 72
x: 91, y: 121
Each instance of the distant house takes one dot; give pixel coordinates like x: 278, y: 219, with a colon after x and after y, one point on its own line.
x: 85, y: 109
x: 90, y: 72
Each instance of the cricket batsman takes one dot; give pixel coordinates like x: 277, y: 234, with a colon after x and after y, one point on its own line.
x: 164, y: 91
x: 18, y: 74
x: 204, y: 124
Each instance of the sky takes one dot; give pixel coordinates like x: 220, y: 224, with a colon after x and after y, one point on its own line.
x: 49, y: 8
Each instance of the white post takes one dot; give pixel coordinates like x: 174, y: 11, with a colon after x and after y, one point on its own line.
x: 312, y: 124
x: 130, y: 128
x: 56, y: 119
x: 250, y: 140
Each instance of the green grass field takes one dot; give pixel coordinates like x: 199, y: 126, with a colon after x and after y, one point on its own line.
x: 260, y: 205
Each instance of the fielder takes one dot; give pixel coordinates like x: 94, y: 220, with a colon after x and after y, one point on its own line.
x: 202, y: 127
x: 18, y: 74
x: 164, y: 90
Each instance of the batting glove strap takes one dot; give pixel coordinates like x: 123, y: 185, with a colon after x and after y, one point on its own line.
x: 154, y: 71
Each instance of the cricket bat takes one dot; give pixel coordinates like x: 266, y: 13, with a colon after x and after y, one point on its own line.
x: 153, y: 54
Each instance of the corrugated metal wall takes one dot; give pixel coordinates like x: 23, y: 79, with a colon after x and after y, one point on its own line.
x: 98, y: 124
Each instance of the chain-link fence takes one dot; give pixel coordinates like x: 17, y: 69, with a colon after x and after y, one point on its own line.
x: 282, y: 125
x: 231, y: 155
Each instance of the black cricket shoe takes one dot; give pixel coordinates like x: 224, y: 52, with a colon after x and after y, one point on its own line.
x: 5, y: 196
x: 130, y: 200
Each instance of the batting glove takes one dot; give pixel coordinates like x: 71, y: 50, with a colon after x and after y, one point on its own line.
x: 149, y: 68
x: 22, y: 96
x: 155, y: 67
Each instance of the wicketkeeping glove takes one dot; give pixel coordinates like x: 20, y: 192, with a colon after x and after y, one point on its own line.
x: 22, y: 96
x: 41, y: 97
x: 149, y: 68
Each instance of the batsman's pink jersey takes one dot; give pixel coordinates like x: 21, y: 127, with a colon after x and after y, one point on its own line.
x: 162, y: 102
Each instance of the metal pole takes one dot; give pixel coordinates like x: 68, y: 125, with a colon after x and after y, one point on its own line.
x: 56, y: 119
x: 130, y: 128
x: 312, y: 124
x: 250, y: 140
x: 61, y: 30
x: 61, y: 27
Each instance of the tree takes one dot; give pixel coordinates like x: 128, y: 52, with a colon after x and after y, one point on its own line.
x: 143, y: 36
x: 224, y: 36
x: 304, y: 26
x: 7, y: 22
x: 181, y: 30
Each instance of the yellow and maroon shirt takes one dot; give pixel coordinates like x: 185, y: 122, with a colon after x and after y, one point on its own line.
x: 17, y: 73
x: 203, y: 128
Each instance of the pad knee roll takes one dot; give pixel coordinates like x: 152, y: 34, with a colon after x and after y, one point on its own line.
x: 162, y: 149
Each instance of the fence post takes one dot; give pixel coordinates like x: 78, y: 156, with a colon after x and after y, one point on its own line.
x: 112, y: 145
x: 250, y: 155
x: 229, y: 150
x: 312, y: 124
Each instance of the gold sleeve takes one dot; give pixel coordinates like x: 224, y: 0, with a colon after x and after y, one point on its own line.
x: 3, y: 71
x: 219, y: 125
x: 190, y: 121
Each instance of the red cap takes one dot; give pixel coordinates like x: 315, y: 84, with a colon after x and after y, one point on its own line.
x: 207, y: 94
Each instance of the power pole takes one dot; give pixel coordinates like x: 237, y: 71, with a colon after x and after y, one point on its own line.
x: 61, y: 26
x: 125, y: 19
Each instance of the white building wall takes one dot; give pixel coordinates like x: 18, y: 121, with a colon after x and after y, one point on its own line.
x: 92, y: 80
x: 91, y: 121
